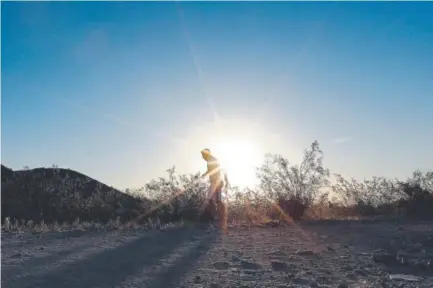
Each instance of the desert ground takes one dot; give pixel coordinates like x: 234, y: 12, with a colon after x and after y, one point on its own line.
x: 310, y: 254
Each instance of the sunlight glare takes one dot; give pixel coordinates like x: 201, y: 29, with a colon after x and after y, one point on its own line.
x: 239, y: 157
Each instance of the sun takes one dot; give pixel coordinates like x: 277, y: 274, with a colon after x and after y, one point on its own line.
x: 240, y: 145
x: 239, y: 158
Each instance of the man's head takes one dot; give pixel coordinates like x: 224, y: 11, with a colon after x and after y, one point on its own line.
x: 206, y: 154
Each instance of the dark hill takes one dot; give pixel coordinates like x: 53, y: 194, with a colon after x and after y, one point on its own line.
x: 63, y: 195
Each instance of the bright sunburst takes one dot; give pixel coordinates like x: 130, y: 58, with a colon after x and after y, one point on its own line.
x: 239, y: 157
x: 238, y: 143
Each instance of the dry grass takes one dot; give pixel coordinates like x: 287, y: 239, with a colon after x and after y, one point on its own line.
x: 15, y: 226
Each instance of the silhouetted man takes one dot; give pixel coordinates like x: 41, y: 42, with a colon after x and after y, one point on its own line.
x: 216, y: 179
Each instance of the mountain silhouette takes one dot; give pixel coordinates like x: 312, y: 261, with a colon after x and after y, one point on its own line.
x: 63, y: 195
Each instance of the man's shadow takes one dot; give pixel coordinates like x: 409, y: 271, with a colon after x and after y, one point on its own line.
x: 172, y: 276
x: 111, y: 267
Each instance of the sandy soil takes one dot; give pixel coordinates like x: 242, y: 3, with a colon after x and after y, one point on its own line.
x: 316, y: 254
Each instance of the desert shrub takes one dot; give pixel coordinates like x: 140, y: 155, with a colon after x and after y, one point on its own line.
x: 59, y: 195
x: 367, y: 198
x: 180, y: 196
x: 292, y: 207
x: 290, y: 184
x: 419, y: 200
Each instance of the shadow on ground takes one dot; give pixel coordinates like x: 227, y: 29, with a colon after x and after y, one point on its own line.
x: 110, y: 268
x: 173, y: 275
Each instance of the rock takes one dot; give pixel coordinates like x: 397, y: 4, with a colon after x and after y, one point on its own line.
x: 221, y: 265
x: 16, y: 255
x: 276, y: 253
x: 279, y: 265
x: 301, y: 281
x: 236, y: 259
x: 325, y: 271
x: 404, y: 277
x: 343, y: 285
x: 197, y: 279
x: 249, y: 272
x: 250, y: 265
x: 360, y: 272
x: 384, y: 258
x: 288, y: 277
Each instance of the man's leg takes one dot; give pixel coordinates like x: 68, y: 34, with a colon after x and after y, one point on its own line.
x: 211, y: 210
x: 221, y: 208
x: 212, y: 203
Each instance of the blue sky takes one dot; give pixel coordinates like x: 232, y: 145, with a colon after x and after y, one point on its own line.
x: 122, y: 91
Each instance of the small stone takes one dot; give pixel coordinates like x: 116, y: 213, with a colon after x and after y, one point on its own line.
x: 276, y: 253
x: 351, y: 276
x: 360, y: 272
x: 288, y: 277
x: 16, y: 255
x: 301, y: 281
x: 384, y: 257
x: 279, y: 265
x: 250, y: 272
x: 236, y: 259
x: 404, y: 277
x: 343, y: 285
x: 330, y: 249
x: 221, y: 265
x: 325, y: 271
x: 214, y: 285
x: 197, y: 279
x: 250, y: 265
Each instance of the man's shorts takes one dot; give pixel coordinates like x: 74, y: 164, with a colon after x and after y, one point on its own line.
x: 215, y: 193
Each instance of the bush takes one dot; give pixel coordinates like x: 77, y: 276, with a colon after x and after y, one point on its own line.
x: 419, y: 203
x: 298, y: 191
x: 294, y: 186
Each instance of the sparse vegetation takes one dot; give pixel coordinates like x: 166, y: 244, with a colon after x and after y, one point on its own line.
x: 43, y: 197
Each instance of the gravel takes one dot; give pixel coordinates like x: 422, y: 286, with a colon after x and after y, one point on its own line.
x: 312, y: 254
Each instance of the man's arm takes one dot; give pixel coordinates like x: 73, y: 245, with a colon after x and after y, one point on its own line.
x: 211, y: 171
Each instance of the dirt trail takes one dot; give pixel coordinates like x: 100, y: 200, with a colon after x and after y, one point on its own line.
x: 323, y: 254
